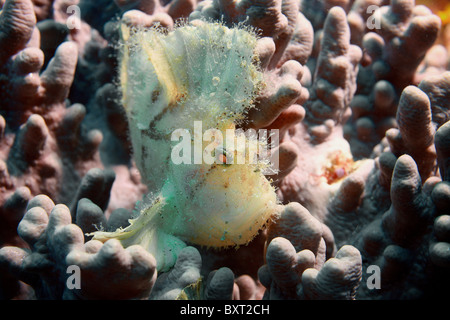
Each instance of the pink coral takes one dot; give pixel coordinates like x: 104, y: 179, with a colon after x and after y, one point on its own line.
x: 364, y: 153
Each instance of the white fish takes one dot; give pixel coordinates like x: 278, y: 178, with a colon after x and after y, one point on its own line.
x: 205, y: 72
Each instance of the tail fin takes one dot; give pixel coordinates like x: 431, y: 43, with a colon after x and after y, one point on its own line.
x: 144, y: 231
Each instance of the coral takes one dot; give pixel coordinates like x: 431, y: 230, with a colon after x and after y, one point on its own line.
x: 359, y: 91
x: 394, y: 51
x: 336, y: 70
x: 55, y: 244
x: 184, y: 281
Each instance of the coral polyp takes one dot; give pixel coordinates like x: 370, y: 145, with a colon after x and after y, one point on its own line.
x: 217, y: 149
x: 338, y: 166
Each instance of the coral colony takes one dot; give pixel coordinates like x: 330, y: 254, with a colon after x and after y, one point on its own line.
x: 217, y: 149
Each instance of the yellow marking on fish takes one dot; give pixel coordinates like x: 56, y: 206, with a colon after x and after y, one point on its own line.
x: 125, y: 35
x: 158, y: 57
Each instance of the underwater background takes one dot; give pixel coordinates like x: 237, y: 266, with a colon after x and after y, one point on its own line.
x: 92, y: 205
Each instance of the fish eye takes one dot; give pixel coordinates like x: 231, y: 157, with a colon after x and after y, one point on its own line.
x: 223, y: 157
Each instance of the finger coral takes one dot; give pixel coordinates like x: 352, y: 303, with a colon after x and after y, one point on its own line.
x: 119, y: 179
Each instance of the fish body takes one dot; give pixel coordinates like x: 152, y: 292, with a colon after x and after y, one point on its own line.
x: 171, y: 81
